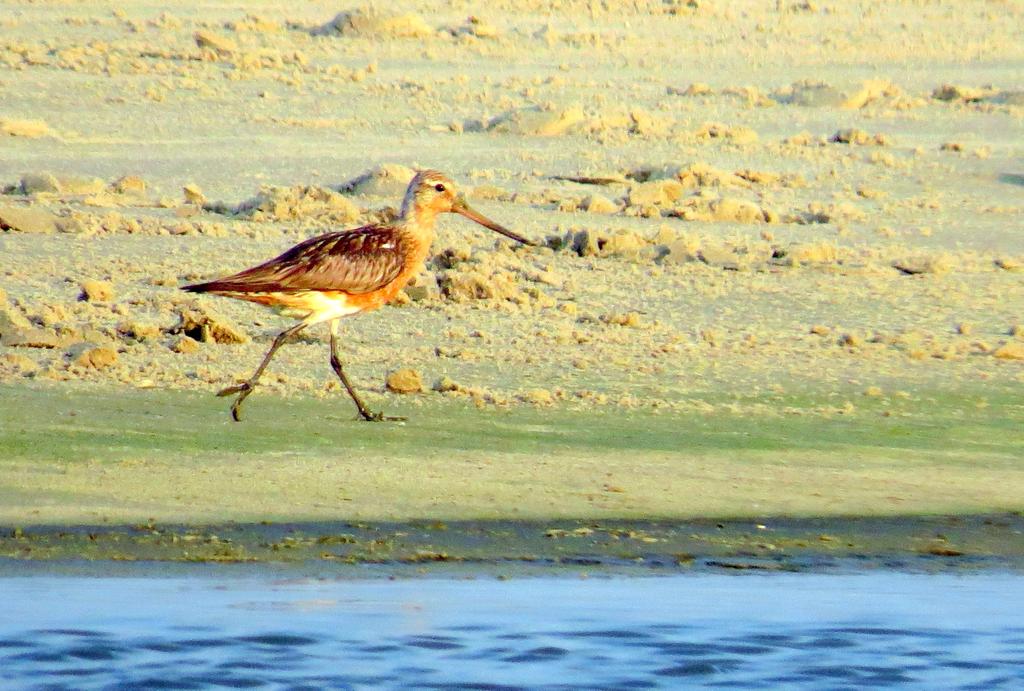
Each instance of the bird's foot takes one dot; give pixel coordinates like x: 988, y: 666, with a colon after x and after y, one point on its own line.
x: 244, y: 387
x: 381, y: 417
x: 242, y: 390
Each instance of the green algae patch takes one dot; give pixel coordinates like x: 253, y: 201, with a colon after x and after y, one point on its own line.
x: 614, y: 546
x: 94, y: 456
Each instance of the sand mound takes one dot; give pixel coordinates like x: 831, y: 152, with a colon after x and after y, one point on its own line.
x: 605, y: 243
x: 924, y: 264
x: 405, y: 380
x: 47, y: 183
x: 964, y: 94
x: 370, y: 22
x: 735, y: 135
x: 387, y: 180
x: 854, y: 136
x: 292, y: 203
x: 538, y: 120
x: 32, y: 129
x: 12, y: 323
x: 465, y: 275
x: 722, y: 209
x: 27, y: 220
x: 816, y: 94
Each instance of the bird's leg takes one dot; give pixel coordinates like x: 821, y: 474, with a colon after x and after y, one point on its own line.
x: 245, y: 388
x: 364, y: 412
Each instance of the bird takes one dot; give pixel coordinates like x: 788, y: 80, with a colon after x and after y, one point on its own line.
x: 343, y: 273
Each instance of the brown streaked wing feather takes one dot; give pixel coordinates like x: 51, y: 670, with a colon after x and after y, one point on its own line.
x: 352, y: 261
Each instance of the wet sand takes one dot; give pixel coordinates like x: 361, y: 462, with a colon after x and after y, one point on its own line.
x: 787, y: 229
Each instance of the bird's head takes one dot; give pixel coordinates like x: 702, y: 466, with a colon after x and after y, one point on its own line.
x: 431, y: 193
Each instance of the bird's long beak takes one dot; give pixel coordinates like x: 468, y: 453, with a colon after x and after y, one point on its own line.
x: 460, y: 206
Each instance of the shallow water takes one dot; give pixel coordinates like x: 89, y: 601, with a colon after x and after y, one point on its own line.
x: 790, y: 630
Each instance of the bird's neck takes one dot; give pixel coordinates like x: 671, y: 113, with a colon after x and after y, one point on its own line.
x: 418, y: 220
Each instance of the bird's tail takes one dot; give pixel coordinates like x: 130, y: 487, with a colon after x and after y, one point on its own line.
x: 200, y: 287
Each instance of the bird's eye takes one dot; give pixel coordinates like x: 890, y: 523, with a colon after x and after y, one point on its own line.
x: 439, y: 187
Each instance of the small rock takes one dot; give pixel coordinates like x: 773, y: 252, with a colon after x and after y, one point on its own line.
x: 404, y: 381
x: 96, y: 291
x: 97, y: 358
x: 820, y: 330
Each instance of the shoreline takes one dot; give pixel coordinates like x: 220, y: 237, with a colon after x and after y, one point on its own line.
x: 503, y: 549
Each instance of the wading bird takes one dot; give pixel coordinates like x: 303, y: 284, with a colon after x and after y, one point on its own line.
x: 345, y: 272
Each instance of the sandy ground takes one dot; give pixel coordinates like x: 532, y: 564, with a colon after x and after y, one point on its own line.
x: 759, y: 210
x: 758, y: 255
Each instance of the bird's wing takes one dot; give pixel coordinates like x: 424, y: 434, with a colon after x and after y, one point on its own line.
x: 352, y: 261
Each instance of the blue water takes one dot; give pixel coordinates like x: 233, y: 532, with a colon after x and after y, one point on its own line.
x: 741, y: 631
